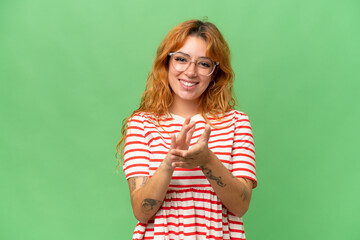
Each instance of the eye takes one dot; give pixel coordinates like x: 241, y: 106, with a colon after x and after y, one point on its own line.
x: 180, y: 59
x: 205, y: 64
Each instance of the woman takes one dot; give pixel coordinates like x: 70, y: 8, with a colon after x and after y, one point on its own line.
x: 189, y: 156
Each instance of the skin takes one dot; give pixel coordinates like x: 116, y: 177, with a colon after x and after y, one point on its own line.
x: 147, y: 194
x: 185, y: 100
x: 234, y: 193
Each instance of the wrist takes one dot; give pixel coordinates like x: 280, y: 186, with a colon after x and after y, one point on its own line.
x: 166, y: 164
x: 210, y: 159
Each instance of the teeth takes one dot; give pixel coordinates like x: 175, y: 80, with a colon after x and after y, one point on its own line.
x: 188, y: 84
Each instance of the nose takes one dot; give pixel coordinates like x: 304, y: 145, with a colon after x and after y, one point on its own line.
x: 191, y: 70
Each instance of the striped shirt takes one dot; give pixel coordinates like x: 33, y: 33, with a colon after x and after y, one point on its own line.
x: 191, y: 209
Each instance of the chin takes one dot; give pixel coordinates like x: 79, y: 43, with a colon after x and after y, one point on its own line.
x: 188, y: 98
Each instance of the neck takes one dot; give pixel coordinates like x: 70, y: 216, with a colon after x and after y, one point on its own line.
x: 184, y: 108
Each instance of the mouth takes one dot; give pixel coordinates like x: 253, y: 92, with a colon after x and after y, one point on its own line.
x: 187, y: 84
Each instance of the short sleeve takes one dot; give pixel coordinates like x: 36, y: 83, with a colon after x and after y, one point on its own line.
x: 243, y: 151
x: 136, y: 150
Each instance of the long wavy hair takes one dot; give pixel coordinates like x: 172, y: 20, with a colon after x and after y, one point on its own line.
x: 158, y: 95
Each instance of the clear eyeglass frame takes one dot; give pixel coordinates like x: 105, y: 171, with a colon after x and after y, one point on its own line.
x: 186, y: 65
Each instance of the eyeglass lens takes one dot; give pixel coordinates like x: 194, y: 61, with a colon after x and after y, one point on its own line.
x: 181, y: 62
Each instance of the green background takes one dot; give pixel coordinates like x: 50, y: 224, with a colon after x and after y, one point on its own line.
x: 72, y: 70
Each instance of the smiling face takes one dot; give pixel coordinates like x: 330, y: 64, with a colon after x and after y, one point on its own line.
x: 188, y: 85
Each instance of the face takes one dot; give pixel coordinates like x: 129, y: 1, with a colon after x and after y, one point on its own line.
x: 189, y: 85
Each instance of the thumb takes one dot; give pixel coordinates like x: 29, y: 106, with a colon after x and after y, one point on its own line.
x: 206, y: 134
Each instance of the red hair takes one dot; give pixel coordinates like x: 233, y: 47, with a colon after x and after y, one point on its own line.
x: 158, y: 96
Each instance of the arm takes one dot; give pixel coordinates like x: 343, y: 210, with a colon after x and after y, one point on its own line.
x: 147, y: 194
x: 235, y: 193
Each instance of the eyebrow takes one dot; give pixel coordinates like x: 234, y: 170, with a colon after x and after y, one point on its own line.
x: 190, y: 56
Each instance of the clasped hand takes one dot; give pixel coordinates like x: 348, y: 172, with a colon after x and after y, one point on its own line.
x: 179, y: 153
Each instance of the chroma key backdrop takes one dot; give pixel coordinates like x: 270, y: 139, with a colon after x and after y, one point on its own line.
x: 71, y: 71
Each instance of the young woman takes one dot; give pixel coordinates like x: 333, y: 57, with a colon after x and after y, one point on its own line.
x: 189, y: 155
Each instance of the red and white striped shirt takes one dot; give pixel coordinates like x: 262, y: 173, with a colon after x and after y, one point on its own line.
x: 191, y: 209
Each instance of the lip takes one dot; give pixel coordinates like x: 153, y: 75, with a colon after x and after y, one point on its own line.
x: 181, y: 81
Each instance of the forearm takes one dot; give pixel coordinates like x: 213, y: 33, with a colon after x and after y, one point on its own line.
x: 147, y: 199
x: 234, y: 193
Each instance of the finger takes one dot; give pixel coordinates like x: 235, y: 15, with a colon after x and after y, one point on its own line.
x: 187, y: 120
x: 183, y: 165
x: 180, y: 165
x: 179, y: 153
x: 190, y: 133
x: 182, y: 134
x: 206, y: 134
x: 194, y: 151
x: 175, y: 158
x: 173, y: 141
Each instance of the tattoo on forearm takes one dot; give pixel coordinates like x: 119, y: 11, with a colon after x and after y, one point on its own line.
x: 134, y: 181
x: 245, y: 192
x: 144, y: 181
x: 148, y: 204
x: 209, y: 175
x: 132, y: 184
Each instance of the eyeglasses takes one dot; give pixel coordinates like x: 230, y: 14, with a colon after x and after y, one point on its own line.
x: 181, y: 61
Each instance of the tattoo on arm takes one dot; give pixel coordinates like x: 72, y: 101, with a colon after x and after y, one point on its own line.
x: 209, y: 175
x: 133, y: 182
x: 245, y: 192
x: 243, y: 196
x: 144, y: 181
x: 148, y: 204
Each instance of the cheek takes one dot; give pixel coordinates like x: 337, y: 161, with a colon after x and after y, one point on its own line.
x: 171, y: 72
x: 207, y: 82
x: 172, y: 79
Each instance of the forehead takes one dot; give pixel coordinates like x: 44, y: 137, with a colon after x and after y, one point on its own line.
x: 194, y: 46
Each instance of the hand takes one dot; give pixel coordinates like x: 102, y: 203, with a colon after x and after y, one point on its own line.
x: 182, y: 141
x: 198, y: 155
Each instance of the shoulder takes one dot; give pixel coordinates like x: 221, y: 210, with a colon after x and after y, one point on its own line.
x: 140, y: 116
x: 135, y: 120
x: 238, y: 118
x: 233, y: 114
x: 149, y: 120
x: 238, y: 114
x: 138, y: 119
x: 139, y: 123
x: 241, y: 119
